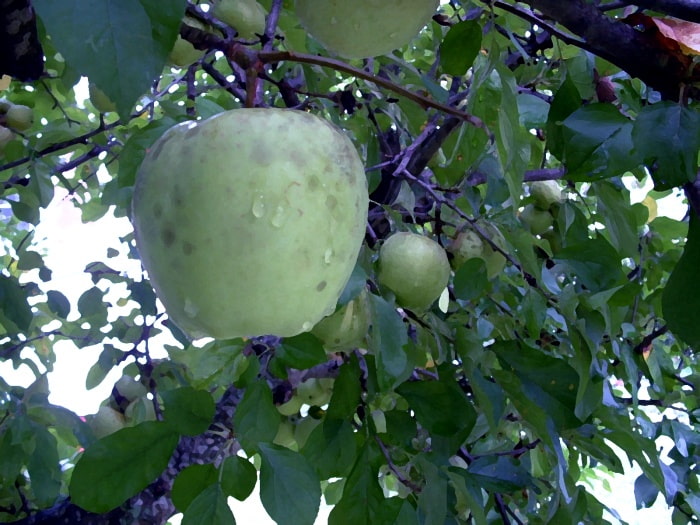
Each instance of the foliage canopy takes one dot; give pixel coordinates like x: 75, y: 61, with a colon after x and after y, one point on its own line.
x: 499, y: 404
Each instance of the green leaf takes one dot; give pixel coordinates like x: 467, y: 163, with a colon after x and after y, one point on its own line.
x: 111, y: 42
x: 136, y: 147
x: 188, y: 411
x: 346, y: 391
x: 256, y: 418
x: 331, y: 448
x: 388, y: 339
x: 238, y: 477
x: 440, y: 406
x: 90, y: 303
x: 566, y: 100
x: 43, y: 467
x: 471, y: 279
x: 142, y: 293
x: 594, y: 262
x: 118, y: 466
x: 190, y: 481
x: 460, y: 46
x: 356, y: 283
x: 108, y: 359
x: 301, y: 351
x: 58, y: 303
x: 667, y: 136
x: 499, y: 474
x: 597, y: 143
x: 619, y: 219
x: 16, y: 312
x: 681, y: 296
x: 209, y: 508
x: 289, y: 488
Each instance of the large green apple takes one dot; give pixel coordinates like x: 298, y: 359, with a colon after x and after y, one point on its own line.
x: 538, y: 221
x: 415, y: 268
x: 545, y: 193
x: 250, y: 222
x: 364, y: 28
x: 19, y: 117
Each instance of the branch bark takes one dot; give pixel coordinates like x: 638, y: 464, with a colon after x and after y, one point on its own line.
x: 683, y: 9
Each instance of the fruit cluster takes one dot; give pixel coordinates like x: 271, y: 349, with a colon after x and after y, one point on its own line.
x: 13, y: 118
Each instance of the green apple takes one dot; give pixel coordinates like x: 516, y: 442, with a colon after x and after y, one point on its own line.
x: 314, y: 392
x: 415, y: 268
x: 538, y: 221
x: 495, y: 261
x: 465, y: 246
x: 346, y: 328
x: 285, y: 435
x: 545, y: 193
x: 129, y: 388
x: 100, y: 100
x: 184, y: 53
x: 106, y: 421
x: 304, y: 429
x: 250, y: 222
x: 291, y: 407
x: 19, y: 117
x: 364, y: 28
x: 6, y: 135
x: 245, y: 16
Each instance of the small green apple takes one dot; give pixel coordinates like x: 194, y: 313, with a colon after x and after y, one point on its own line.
x: 415, y: 268
x: 129, y: 388
x: 538, y: 221
x: 106, y: 421
x: 466, y: 245
x: 19, y: 117
x: 250, y: 222
x: 100, y: 100
x: 291, y: 407
x: 285, y: 435
x: 6, y: 135
x: 245, y: 16
x: 313, y: 392
x: 364, y: 28
x: 184, y: 53
x: 346, y: 328
x: 546, y: 193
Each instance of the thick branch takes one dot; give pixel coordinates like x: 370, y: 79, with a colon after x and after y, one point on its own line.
x: 636, y: 52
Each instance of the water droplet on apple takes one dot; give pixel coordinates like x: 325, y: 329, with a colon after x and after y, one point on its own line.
x: 328, y: 256
x: 258, y: 208
x: 308, y: 325
x: 278, y: 217
x: 392, y: 35
x: 334, y: 20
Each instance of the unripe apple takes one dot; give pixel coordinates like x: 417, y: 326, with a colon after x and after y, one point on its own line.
x: 129, y: 388
x: 466, y: 245
x: 313, y: 392
x: 364, y: 28
x: 291, y: 407
x: 19, y: 117
x: 346, y: 328
x: 6, y: 135
x: 100, y: 100
x: 245, y: 16
x: 106, y: 421
x: 250, y: 222
x: 545, y: 193
x: 415, y: 268
x: 285, y: 435
x: 538, y: 221
x: 183, y: 52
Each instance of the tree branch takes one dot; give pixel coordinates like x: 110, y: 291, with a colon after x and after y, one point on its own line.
x: 683, y: 9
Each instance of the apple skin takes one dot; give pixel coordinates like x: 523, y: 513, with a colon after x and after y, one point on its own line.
x: 106, y: 421
x: 364, y: 28
x: 345, y: 329
x: 184, y: 53
x: 415, y: 268
x: 100, y: 100
x: 545, y: 193
x: 466, y: 245
x: 245, y: 16
x: 6, y: 135
x: 250, y: 222
x: 537, y: 221
x: 19, y: 117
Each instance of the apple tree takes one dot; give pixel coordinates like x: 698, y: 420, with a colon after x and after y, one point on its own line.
x: 521, y: 322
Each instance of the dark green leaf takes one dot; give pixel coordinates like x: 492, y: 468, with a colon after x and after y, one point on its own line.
x: 109, y: 358
x: 90, y: 303
x: 43, y: 467
x: 136, y: 147
x: 190, y: 481
x: 58, y: 303
x: 16, y: 312
x: 471, y: 279
x: 301, y: 351
x: 188, y: 411
x: 116, y: 467
x: 499, y: 474
x: 645, y: 492
x: 357, y: 283
x: 346, y: 391
x: 565, y: 102
x: 238, y: 477
x: 289, y: 488
x: 681, y: 297
x: 388, y: 340
x: 460, y: 46
x: 594, y: 262
x: 209, y: 508
x: 331, y: 449
x: 256, y: 418
x: 142, y: 293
